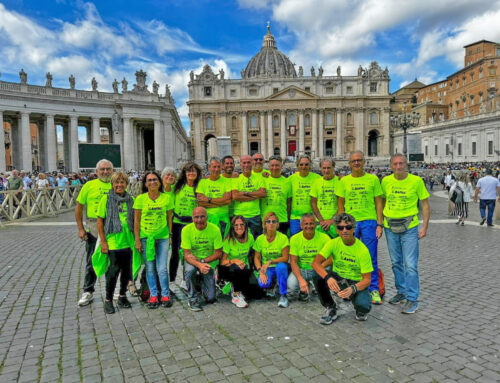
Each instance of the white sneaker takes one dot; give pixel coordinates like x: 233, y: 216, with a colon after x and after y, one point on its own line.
x: 86, y: 299
x: 239, y: 301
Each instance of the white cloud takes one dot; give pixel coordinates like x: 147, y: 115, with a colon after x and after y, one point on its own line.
x: 255, y: 4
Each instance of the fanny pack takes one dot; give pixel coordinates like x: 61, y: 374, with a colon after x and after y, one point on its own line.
x: 399, y: 225
x: 91, y: 224
x: 183, y: 219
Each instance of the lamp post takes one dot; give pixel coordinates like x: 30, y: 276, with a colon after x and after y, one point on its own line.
x: 404, y: 121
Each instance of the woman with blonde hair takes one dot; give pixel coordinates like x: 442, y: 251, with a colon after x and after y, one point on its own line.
x: 271, y: 257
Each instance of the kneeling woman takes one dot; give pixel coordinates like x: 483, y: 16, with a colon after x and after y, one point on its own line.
x: 271, y: 257
x: 115, y: 224
x: 234, y: 266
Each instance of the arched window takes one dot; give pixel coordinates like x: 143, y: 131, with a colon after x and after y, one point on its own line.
x: 349, y: 119
x: 291, y: 119
x: 253, y: 122
x: 234, y: 122
x: 372, y: 143
x: 329, y: 119
x: 209, y: 123
x: 373, y: 118
x: 307, y: 120
x: 276, y: 122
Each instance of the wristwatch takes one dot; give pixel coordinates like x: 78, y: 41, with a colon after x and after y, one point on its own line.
x: 354, y: 288
x: 380, y: 225
x: 202, y: 260
x: 210, y: 200
x: 246, y: 194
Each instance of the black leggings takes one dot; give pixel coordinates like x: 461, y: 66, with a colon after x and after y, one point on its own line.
x: 240, y: 278
x: 174, y: 254
x: 120, y: 262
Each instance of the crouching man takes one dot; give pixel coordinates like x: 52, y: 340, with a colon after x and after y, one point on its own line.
x: 351, y: 271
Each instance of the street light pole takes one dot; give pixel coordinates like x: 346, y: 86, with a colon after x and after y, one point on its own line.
x: 404, y: 121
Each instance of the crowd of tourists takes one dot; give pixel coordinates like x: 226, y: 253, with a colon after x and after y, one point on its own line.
x: 258, y: 231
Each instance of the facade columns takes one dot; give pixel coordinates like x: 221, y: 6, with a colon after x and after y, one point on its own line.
x: 128, y: 145
x: 321, y: 144
x: 223, y: 126
x: 314, y: 133
x: 360, y: 127
x: 3, y: 161
x: 283, y: 134
x: 73, y: 143
x: 244, y: 141
x: 25, y: 135
x: 270, y: 134
x: 301, y: 132
x: 96, y: 130
x: 198, y: 155
x: 263, y: 134
x: 158, y: 145
x: 50, y: 144
x: 168, y: 148
x: 340, y: 138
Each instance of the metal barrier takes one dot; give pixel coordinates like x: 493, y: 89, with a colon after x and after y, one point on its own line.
x: 37, y: 203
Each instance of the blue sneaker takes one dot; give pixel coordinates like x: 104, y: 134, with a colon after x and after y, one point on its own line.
x: 410, y: 307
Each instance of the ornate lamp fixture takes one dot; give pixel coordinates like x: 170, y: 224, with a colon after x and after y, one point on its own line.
x: 404, y: 121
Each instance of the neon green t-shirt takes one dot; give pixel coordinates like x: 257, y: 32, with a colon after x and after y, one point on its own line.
x: 401, y: 197
x: 348, y: 261
x: 116, y: 241
x: 202, y: 243
x: 359, y: 194
x: 215, y: 189
x: 324, y: 191
x: 154, y: 215
x: 307, y: 249
x: 91, y: 195
x: 231, y: 188
x: 184, y: 202
x: 238, y: 250
x: 278, y: 191
x: 253, y: 183
x: 301, y: 188
x: 260, y: 174
x: 271, y: 250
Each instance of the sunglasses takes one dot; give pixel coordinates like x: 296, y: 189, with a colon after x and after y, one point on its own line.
x: 153, y: 181
x: 353, y: 161
x: 258, y: 159
x: 271, y: 221
x: 346, y: 227
x: 304, y: 164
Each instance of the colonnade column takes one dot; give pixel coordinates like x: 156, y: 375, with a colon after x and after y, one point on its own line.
x: 25, y: 135
x: 170, y: 159
x: 50, y: 144
x: 360, y: 127
x: 283, y: 134
x: 73, y: 142
x: 270, y: 134
x: 3, y: 162
x: 314, y: 134
x: 159, y: 139
x: 263, y: 134
x: 301, y: 132
x: 244, y: 139
x: 340, y: 139
x: 128, y: 145
x: 96, y: 130
x: 223, y: 126
x: 321, y: 129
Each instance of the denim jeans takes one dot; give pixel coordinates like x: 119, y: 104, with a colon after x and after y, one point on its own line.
x: 196, y: 280
x: 295, y: 226
x: 403, y: 250
x: 490, y: 204
x: 367, y: 232
x: 293, y: 283
x: 361, y: 301
x: 280, y: 272
x: 255, y: 225
x: 159, y: 265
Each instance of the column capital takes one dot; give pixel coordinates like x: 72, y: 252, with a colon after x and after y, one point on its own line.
x: 24, y: 113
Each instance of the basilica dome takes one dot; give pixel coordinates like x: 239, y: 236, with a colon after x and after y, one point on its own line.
x: 269, y: 62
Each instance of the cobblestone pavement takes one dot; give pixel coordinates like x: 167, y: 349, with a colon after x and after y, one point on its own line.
x: 45, y: 337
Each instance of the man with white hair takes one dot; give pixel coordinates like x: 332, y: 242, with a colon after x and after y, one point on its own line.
x: 90, y: 196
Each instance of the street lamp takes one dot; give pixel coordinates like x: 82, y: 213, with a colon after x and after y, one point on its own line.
x: 404, y: 121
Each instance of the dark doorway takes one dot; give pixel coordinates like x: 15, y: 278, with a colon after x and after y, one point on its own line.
x: 292, y: 147
x: 329, y: 148
x: 149, y: 149
x: 372, y: 143
x: 210, y: 146
x: 254, y: 148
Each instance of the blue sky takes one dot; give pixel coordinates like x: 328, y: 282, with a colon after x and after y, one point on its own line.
x: 169, y: 38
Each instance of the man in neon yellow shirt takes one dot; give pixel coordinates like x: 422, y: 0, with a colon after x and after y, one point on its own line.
x: 278, y: 194
x: 202, y: 246
x: 351, y: 271
x: 323, y: 198
x: 402, y: 193
x: 258, y: 166
x: 248, y: 189
x: 360, y: 195
x: 229, y: 174
x: 90, y: 197
x: 301, y: 183
x: 214, y: 194
x: 304, y: 246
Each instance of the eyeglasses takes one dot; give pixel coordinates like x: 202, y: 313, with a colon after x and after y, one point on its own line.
x: 273, y: 221
x: 152, y: 181
x: 354, y: 161
x: 105, y: 168
x: 342, y: 228
x: 239, y: 225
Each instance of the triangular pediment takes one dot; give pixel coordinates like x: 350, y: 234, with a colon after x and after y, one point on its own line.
x: 292, y: 93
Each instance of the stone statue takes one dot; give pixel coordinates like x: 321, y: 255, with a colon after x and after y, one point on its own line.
x: 221, y: 72
x: 116, y: 122
x: 124, y: 85
x: 386, y: 72
x: 167, y: 92
x: 23, y: 76
x: 48, y: 83
x: 72, y: 82
x: 338, y: 70
x: 301, y: 71
x: 94, y: 84
x: 313, y: 72
x: 320, y: 71
x: 191, y: 75
x: 115, y: 86
x: 360, y: 71
x: 155, y: 87
x: 243, y: 73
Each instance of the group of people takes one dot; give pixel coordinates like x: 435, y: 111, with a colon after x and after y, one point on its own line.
x: 257, y: 230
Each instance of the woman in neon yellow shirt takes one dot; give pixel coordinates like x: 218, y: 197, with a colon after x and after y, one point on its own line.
x: 234, y: 266
x: 271, y: 257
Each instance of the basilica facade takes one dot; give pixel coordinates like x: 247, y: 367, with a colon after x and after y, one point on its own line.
x: 273, y: 109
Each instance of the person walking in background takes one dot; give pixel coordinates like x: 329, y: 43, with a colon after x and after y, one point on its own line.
x: 465, y: 191
x: 489, y: 187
